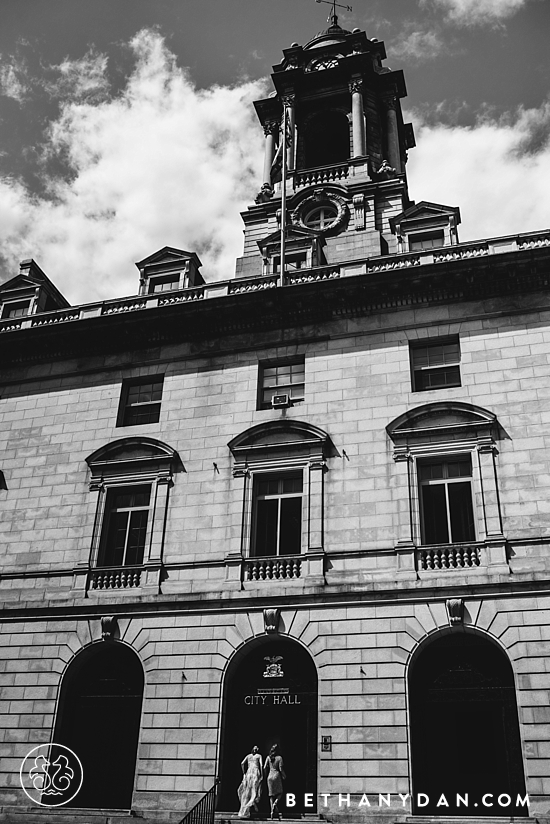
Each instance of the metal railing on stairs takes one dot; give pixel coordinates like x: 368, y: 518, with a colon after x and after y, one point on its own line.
x: 204, y: 810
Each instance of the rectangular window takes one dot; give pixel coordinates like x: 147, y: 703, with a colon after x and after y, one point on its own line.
x: 125, y: 526
x: 446, y: 508
x: 282, y: 378
x: 16, y: 310
x: 435, y: 364
x: 426, y: 240
x: 164, y: 284
x: 277, y: 519
x: 293, y: 263
x: 140, y: 401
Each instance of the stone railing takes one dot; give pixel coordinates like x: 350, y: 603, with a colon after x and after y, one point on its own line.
x: 224, y: 289
x: 239, y: 287
x: 115, y: 577
x: 322, y: 174
x: 270, y: 569
x: 312, y: 275
x: 389, y: 264
x: 49, y: 318
x: 448, y: 556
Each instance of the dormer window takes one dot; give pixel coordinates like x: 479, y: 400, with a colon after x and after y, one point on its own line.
x: 426, y: 240
x: 167, y: 283
x: 293, y: 262
x: 15, y: 309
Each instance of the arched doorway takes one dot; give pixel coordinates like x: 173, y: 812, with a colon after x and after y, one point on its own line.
x: 270, y: 697
x: 99, y: 719
x: 326, y: 139
x: 464, y: 729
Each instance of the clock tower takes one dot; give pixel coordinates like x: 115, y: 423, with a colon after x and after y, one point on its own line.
x: 346, y: 153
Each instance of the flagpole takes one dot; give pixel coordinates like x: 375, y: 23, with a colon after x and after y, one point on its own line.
x: 283, y: 201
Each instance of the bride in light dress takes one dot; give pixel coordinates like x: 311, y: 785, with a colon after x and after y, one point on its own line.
x: 250, y: 788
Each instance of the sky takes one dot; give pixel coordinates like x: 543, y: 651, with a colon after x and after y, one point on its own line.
x: 128, y: 125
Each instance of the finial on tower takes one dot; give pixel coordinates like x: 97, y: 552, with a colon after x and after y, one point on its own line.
x: 333, y: 17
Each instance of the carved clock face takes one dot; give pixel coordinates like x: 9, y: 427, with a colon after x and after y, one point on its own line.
x: 322, y: 63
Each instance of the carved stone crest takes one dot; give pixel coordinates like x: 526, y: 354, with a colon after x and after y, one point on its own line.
x: 273, y: 669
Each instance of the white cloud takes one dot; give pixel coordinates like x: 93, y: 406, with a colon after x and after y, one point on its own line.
x: 162, y: 163
x: 12, y: 81
x: 471, y: 12
x: 84, y: 79
x: 419, y: 45
x: 497, y: 172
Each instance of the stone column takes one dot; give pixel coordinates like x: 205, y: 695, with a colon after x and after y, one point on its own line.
x: 270, y: 130
x: 493, y: 554
x: 358, y: 117
x: 394, y: 150
x: 289, y: 101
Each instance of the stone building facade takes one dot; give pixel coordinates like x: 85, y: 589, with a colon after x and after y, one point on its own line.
x: 309, y: 509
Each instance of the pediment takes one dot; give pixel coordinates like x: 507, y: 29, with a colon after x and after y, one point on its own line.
x: 132, y: 456
x: 19, y: 282
x: 290, y: 438
x: 440, y: 419
x: 426, y: 210
x: 168, y: 255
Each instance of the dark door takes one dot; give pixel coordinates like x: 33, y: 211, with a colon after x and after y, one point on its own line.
x: 271, y: 698
x: 464, y: 730
x: 99, y: 719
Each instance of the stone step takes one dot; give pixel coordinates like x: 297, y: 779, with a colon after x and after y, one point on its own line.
x: 42, y: 815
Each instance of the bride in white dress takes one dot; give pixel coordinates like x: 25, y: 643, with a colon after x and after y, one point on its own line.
x: 250, y: 788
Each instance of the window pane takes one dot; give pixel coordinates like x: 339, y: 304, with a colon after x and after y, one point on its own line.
x: 113, y: 550
x: 291, y: 526
x: 437, y: 378
x: 462, y: 514
x: 434, y: 515
x: 149, y: 413
x: 136, y: 537
x: 290, y: 485
x: 459, y: 469
x: 431, y: 471
x: 266, y: 527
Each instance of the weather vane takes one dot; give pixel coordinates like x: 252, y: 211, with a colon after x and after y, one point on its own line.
x: 333, y: 3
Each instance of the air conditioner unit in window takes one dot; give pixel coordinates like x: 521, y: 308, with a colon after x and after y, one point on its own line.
x: 280, y: 401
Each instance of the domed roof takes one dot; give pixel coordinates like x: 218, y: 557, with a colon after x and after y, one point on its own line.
x: 334, y: 34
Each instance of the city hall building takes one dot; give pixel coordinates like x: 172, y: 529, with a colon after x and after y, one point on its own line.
x: 308, y: 505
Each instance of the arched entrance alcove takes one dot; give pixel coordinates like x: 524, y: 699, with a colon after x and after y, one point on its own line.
x: 270, y: 697
x: 99, y: 719
x: 464, y: 727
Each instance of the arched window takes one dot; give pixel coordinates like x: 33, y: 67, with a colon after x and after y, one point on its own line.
x: 449, y: 506
x: 283, y: 465
x: 132, y: 477
x: 465, y: 741
x: 270, y: 697
x: 99, y: 719
x: 326, y: 139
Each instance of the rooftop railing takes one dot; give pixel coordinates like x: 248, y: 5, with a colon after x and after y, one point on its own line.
x: 231, y: 288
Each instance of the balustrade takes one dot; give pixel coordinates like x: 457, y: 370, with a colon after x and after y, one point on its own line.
x: 115, y: 578
x: 451, y: 556
x: 269, y: 569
